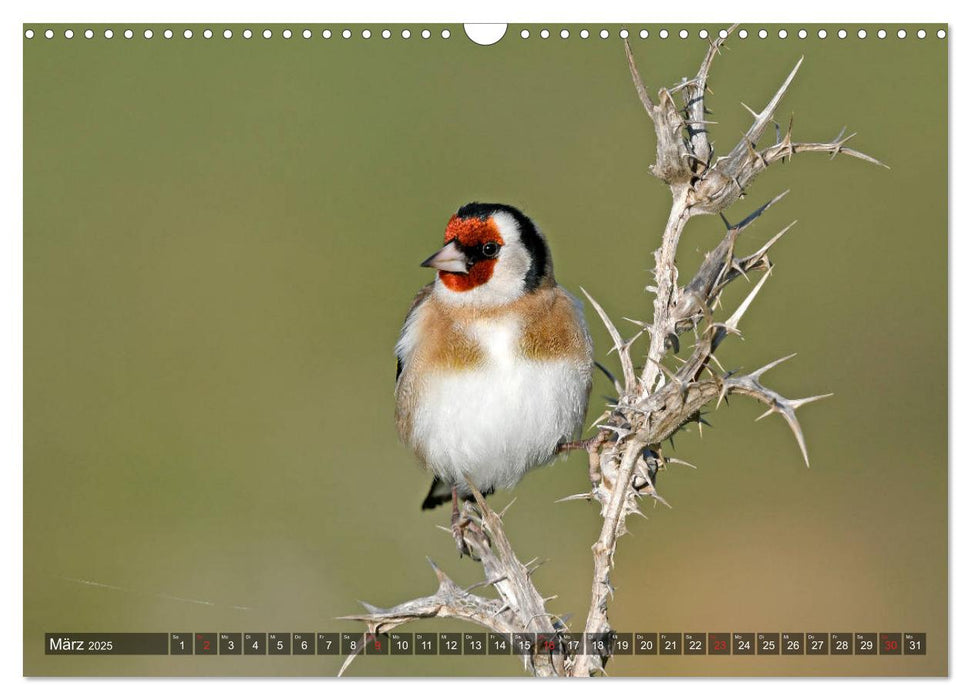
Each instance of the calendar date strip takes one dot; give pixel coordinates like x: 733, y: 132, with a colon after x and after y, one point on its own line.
x: 486, y: 644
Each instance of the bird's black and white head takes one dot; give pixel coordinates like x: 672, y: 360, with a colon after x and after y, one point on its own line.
x: 493, y: 255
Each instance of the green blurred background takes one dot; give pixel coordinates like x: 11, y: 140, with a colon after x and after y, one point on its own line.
x: 222, y: 237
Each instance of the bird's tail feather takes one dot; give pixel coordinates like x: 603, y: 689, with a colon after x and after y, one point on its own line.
x: 441, y: 492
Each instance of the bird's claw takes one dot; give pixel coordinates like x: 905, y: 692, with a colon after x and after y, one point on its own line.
x: 458, y: 534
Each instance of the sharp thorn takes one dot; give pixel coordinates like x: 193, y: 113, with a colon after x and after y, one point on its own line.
x: 507, y: 507
x: 575, y: 497
x: 761, y: 370
x: 769, y: 412
x: 798, y: 403
x: 675, y: 460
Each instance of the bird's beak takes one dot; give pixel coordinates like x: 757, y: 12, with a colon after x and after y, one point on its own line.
x: 450, y: 259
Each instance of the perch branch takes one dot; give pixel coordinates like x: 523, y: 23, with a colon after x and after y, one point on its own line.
x: 519, y: 607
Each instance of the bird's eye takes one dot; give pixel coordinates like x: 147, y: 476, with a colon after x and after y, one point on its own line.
x: 490, y: 249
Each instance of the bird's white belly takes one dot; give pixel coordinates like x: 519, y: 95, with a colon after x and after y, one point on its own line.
x: 494, y: 422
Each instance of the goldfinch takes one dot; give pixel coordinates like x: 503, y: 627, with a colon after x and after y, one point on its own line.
x: 494, y: 359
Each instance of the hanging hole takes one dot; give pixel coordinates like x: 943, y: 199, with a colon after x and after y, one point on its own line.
x: 485, y: 34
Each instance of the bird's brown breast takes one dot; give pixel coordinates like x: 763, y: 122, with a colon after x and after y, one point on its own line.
x: 550, y: 328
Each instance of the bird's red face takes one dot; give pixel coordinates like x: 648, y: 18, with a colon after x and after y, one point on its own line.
x: 469, y: 256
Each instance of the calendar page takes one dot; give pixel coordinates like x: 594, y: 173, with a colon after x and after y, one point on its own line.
x: 437, y: 350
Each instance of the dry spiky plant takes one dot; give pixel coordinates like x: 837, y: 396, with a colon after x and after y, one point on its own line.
x: 625, y: 455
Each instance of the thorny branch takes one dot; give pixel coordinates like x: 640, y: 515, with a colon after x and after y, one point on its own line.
x: 626, y: 455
